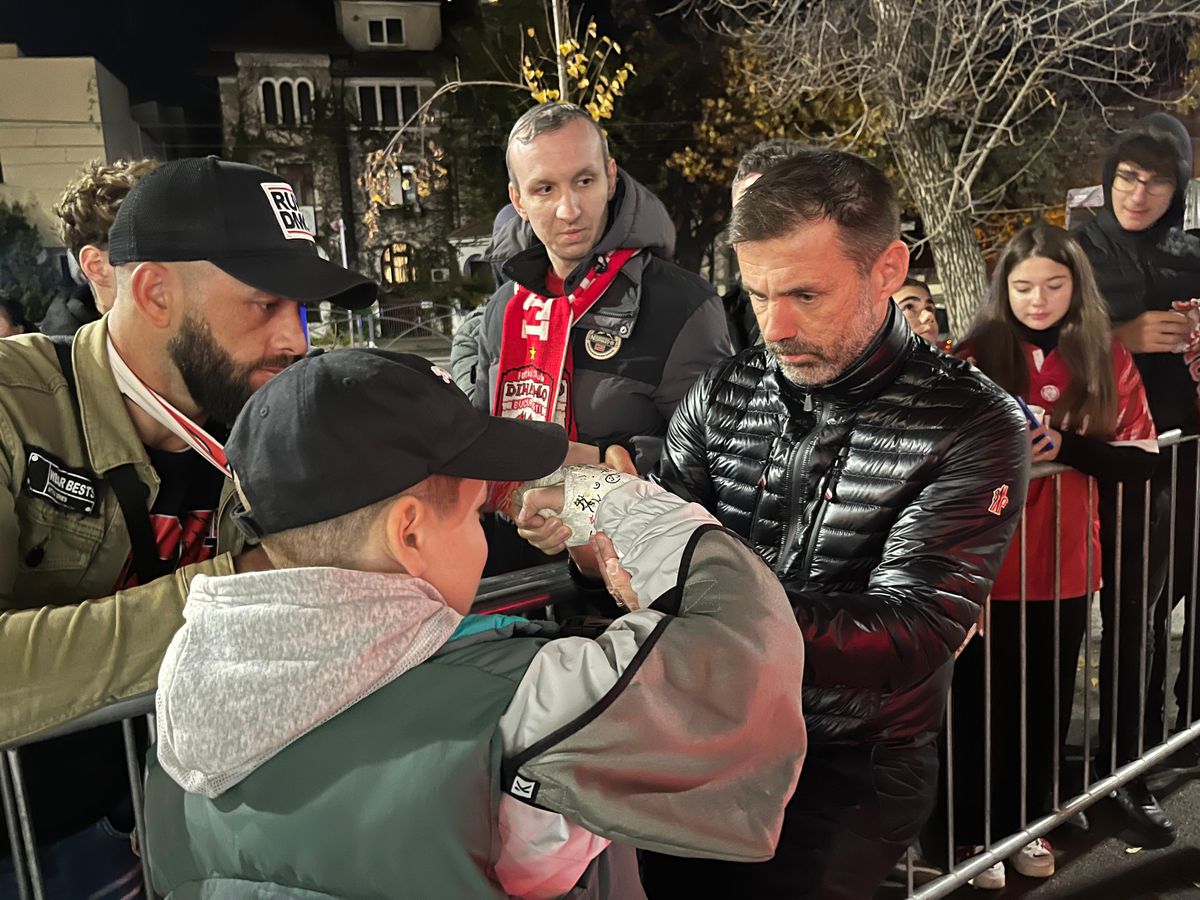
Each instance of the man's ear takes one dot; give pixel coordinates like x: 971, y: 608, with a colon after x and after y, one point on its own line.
x: 890, y: 269
x: 611, y: 168
x: 514, y: 197
x: 405, y: 524
x: 93, y: 262
x: 154, y: 291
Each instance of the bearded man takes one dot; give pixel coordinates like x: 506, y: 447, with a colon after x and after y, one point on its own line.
x: 114, y: 488
x: 882, y: 481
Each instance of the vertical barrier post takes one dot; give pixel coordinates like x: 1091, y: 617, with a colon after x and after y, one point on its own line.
x: 1147, y: 495
x: 1058, y: 631
x: 949, y: 781
x: 14, y: 830
x: 1195, y: 571
x: 1023, y: 642
x: 137, y: 795
x: 1170, y: 594
x: 1116, y: 625
x: 26, y: 821
x: 987, y: 722
x: 1087, y: 640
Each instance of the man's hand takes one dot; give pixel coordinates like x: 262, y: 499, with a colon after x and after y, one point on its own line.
x: 1155, y: 332
x: 252, y: 559
x: 547, y: 533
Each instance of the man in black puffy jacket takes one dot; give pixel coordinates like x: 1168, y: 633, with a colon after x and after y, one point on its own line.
x: 882, y: 481
x: 1148, y: 268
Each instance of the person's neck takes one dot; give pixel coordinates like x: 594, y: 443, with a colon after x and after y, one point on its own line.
x: 561, y: 267
x: 161, y: 377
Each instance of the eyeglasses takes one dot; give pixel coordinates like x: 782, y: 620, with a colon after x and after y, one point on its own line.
x: 1158, y: 186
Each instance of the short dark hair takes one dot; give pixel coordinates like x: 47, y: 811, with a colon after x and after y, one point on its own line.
x: 766, y: 155
x: 815, y: 184
x: 909, y: 281
x: 543, y: 118
x: 1149, y: 148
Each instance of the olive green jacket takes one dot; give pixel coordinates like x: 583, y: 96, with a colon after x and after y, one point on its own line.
x: 68, y: 645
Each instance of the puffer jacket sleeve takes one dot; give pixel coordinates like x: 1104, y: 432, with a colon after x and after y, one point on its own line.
x: 683, y: 469
x: 487, y: 346
x: 938, y: 564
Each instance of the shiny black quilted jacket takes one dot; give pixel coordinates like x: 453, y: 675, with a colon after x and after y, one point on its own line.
x: 884, y: 501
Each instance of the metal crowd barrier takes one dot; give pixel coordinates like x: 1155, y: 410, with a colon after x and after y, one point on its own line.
x: 534, y: 592
x: 540, y: 590
x: 998, y: 849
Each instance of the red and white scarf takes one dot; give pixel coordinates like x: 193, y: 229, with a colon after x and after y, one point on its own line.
x: 536, y: 367
x: 160, y: 409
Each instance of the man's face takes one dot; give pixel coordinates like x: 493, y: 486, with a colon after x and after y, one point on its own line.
x: 232, y: 340
x: 815, y: 306
x: 563, y: 188
x: 458, y: 548
x: 1140, y: 197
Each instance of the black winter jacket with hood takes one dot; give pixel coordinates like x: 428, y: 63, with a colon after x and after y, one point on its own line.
x: 884, y: 500
x: 1138, y: 271
x: 670, y: 323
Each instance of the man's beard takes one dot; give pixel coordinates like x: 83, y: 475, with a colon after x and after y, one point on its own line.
x: 833, y: 358
x: 218, y: 385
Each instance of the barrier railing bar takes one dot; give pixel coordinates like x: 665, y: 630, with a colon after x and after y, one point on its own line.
x: 1192, y: 597
x: 1010, y: 844
x: 1023, y: 650
x: 1171, y: 594
x: 1087, y: 639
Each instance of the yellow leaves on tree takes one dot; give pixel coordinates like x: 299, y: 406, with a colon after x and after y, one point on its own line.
x: 733, y: 122
x: 592, y: 81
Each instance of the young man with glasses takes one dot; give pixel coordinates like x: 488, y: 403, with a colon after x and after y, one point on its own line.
x: 1148, y: 269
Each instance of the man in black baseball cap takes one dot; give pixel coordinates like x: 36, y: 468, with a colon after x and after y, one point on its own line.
x: 114, y: 486
x: 343, y: 722
x: 242, y: 219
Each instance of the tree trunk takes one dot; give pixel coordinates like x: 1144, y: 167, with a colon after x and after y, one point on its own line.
x: 924, y: 158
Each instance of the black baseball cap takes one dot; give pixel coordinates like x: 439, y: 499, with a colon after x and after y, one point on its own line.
x: 340, y: 431
x: 242, y: 219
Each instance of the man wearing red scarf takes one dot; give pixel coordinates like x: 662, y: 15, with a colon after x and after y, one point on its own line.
x: 595, y: 329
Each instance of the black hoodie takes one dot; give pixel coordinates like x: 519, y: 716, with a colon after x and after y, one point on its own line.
x: 1138, y: 271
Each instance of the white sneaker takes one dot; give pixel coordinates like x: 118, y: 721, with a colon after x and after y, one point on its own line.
x: 1036, y: 859
x: 991, y: 878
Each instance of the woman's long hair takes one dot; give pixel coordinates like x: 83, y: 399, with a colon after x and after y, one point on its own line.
x: 1089, y: 405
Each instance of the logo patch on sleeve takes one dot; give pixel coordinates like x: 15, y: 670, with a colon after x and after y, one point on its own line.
x: 67, y: 488
x: 287, y: 211
x: 526, y: 790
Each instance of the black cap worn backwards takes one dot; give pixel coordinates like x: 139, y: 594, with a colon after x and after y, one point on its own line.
x: 338, y: 432
x: 242, y: 219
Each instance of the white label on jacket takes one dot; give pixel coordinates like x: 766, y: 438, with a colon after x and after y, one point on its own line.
x: 526, y: 790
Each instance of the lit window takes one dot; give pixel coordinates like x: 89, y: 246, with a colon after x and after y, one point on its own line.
x: 397, y: 264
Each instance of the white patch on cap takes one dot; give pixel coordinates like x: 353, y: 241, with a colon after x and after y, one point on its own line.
x: 287, y: 211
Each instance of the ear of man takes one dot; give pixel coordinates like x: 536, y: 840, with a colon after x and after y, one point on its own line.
x: 890, y: 270
x: 156, y: 292
x: 93, y: 262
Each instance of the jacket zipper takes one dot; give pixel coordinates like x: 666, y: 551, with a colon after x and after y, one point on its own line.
x: 758, y: 493
x: 826, y: 493
x: 797, y: 476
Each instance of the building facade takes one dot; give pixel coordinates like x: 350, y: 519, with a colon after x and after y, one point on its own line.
x: 314, y: 101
